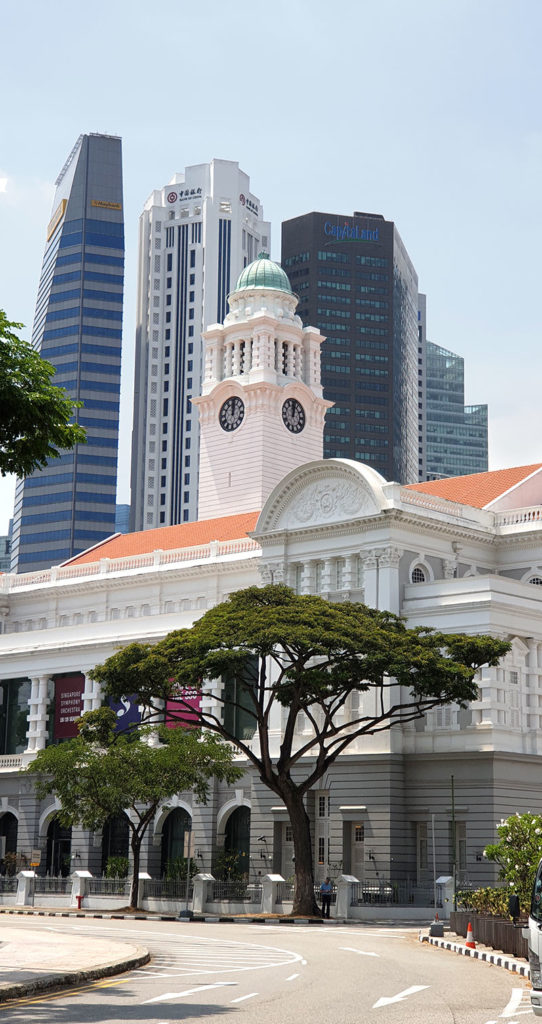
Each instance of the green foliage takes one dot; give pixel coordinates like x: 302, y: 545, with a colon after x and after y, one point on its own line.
x: 484, y: 901
x: 311, y: 654
x: 178, y: 868
x: 231, y: 865
x: 517, y: 853
x: 117, y: 867
x: 98, y: 775
x: 34, y: 414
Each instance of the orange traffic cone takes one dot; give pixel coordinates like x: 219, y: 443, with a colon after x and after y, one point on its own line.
x: 470, y: 943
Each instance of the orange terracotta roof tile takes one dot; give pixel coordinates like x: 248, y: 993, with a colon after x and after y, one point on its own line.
x: 476, y: 489
x: 169, y: 538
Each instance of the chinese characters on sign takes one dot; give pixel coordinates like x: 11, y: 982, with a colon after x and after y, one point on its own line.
x: 185, y: 193
x: 68, y: 704
x: 245, y: 201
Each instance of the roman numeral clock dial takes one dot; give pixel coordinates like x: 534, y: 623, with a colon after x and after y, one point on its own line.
x: 231, y: 414
x: 293, y: 415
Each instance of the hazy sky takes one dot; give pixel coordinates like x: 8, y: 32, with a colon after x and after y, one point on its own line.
x: 428, y: 112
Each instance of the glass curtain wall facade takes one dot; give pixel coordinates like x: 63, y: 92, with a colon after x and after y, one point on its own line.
x: 70, y: 505
x: 196, y: 234
x: 457, y: 434
x: 356, y: 282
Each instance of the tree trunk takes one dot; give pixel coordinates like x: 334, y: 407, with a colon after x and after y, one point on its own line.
x: 304, y: 899
x: 135, y: 843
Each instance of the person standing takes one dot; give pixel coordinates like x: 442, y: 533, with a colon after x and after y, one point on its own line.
x: 326, y: 890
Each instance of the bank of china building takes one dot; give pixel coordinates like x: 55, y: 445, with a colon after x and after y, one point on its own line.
x: 457, y: 554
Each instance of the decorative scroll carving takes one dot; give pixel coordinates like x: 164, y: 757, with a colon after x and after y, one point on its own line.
x: 329, y: 501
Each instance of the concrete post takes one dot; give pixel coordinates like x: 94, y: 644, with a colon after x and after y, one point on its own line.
x: 79, y: 887
x: 270, y: 884
x: 343, y: 885
x: 142, y: 878
x: 201, y: 884
x: 25, y: 889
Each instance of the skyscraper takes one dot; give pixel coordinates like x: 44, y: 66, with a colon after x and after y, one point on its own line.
x: 457, y: 435
x: 196, y: 236
x: 357, y: 284
x: 70, y: 504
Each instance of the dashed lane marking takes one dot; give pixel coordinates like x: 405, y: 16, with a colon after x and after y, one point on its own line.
x: 241, y: 999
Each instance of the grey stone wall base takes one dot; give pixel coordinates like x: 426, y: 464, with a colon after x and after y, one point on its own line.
x: 496, y: 958
x: 60, y: 980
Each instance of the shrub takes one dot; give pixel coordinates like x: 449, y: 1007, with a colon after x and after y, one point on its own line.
x: 117, y: 867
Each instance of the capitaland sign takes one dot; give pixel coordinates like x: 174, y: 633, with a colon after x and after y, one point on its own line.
x: 350, y: 232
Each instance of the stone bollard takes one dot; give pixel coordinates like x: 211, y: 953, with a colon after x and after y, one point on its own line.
x: 343, y: 885
x: 25, y: 889
x: 79, y: 887
x: 201, y: 885
x: 270, y: 884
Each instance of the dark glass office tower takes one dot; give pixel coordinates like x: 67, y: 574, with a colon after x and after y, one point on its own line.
x: 356, y: 282
x: 456, y: 434
x: 70, y: 505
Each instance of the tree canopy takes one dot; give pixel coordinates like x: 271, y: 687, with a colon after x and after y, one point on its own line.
x: 34, y: 414
x: 307, y: 655
x: 98, y: 775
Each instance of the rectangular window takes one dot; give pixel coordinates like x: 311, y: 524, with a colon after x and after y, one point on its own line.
x: 169, y: 261
x: 322, y: 801
x: 192, y: 257
x: 190, y: 334
x: 321, y: 849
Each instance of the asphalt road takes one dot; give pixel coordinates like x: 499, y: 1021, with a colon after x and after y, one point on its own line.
x: 284, y: 974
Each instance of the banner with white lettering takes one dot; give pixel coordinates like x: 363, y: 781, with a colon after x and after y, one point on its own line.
x: 68, y: 704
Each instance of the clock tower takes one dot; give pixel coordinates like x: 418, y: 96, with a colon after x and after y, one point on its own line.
x: 261, y: 409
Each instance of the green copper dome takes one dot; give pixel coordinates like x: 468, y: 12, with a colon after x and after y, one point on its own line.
x: 263, y: 273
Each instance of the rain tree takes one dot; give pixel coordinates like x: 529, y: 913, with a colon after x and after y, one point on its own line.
x: 306, y: 656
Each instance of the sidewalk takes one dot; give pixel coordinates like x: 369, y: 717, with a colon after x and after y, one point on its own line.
x: 456, y: 943
x: 34, y: 961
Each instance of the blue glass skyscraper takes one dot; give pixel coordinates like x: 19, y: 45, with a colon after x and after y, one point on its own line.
x: 70, y: 504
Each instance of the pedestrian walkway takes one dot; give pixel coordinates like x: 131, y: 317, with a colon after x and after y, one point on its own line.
x: 34, y: 961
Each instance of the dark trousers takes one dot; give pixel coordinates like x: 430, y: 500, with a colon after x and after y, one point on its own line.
x: 326, y: 903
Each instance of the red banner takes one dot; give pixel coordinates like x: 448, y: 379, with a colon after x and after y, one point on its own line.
x: 68, y: 704
x: 182, y: 714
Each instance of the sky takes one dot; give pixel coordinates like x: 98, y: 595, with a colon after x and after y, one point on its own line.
x: 427, y: 112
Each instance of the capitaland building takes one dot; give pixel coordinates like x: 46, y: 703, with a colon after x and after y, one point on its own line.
x: 457, y: 554
x: 70, y: 504
x: 356, y: 282
x: 196, y: 234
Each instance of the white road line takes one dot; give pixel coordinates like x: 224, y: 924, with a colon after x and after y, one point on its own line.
x: 515, y: 1000
x: 350, y: 949
x: 386, y: 1000
x: 292, y: 976
x: 187, y: 992
x: 241, y: 999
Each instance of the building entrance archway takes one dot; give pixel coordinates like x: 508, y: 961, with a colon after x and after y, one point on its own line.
x: 59, y: 848
x: 175, y: 827
x: 115, y: 839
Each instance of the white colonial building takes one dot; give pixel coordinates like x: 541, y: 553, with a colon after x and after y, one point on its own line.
x: 460, y: 554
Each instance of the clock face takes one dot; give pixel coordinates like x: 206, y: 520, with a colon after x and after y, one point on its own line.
x: 293, y: 415
x: 231, y: 414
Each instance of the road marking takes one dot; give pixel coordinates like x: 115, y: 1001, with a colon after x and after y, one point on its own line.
x: 513, y: 1004
x: 386, y: 1000
x: 292, y: 976
x: 350, y: 949
x: 241, y: 999
x: 187, y: 992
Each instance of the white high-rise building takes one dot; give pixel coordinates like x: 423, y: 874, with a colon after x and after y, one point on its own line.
x: 196, y: 235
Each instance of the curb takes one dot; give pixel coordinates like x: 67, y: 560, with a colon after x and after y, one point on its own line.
x: 56, y: 981
x: 498, y: 959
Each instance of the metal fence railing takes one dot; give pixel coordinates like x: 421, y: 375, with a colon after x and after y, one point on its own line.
x: 108, y: 886
x: 166, y: 889
x: 285, y: 892
x: 236, y: 892
x: 50, y: 884
x: 8, y: 884
x: 402, y: 893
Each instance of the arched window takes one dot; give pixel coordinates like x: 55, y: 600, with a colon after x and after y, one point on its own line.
x: 237, y: 841
x: 418, y: 574
x: 175, y: 827
x: 59, y: 848
x: 8, y: 833
x: 115, y: 839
